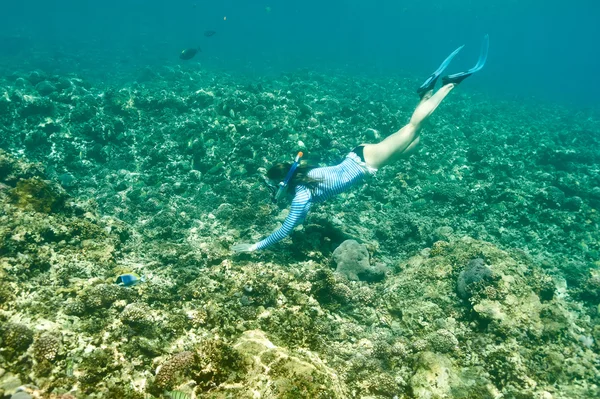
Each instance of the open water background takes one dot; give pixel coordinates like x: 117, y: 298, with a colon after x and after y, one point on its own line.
x: 541, y: 50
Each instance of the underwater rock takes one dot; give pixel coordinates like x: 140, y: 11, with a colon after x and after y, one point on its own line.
x: 37, y: 106
x: 551, y: 196
x: 45, y: 88
x: 224, y: 211
x: 21, y: 395
x: 511, y: 316
x: 448, y: 192
x: 201, y: 99
x: 7, y: 291
x: 174, y: 370
x: 433, y: 376
x: 352, y: 261
x: 490, y: 310
x: 213, y: 363
x: 277, y: 373
x: 96, y: 366
x: 328, y: 290
x: 46, y: 347
x: 5, y: 105
x: 589, y: 290
x: 573, y: 203
x: 103, y: 295
x: 218, y: 362
x: 544, y: 287
x: 443, y: 233
x: 137, y: 316
x: 14, y: 339
x: 475, y: 272
x: 437, y: 376
x: 12, y: 169
x: 373, y: 134
x: 38, y: 195
x: 35, y: 77
x: 9, y: 383
x: 443, y: 341
x: 252, y: 364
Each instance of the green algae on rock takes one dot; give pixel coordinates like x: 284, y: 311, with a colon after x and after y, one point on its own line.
x: 38, y: 195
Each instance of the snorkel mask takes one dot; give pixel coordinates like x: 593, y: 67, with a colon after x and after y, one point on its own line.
x: 283, y: 185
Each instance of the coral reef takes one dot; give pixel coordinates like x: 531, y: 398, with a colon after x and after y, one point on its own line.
x: 274, y: 372
x: 46, y: 347
x: 352, y: 261
x: 173, y: 370
x: 38, y: 195
x: 15, y: 339
x: 475, y: 274
x: 467, y: 271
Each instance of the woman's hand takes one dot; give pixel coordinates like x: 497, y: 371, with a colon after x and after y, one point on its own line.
x: 243, y: 248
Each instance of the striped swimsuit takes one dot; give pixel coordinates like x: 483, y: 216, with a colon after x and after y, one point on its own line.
x: 333, y: 180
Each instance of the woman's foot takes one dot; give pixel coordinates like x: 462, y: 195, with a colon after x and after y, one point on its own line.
x: 459, y: 77
x: 429, y: 83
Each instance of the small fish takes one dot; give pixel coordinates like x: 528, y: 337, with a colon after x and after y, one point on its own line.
x: 127, y: 280
x: 209, y: 33
x: 67, y: 179
x: 178, y: 395
x: 189, y: 53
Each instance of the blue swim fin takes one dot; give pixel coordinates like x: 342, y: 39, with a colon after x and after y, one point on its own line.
x: 430, y: 82
x: 459, y: 77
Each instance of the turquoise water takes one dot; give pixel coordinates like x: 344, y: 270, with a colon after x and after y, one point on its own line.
x: 545, y: 49
x: 468, y: 269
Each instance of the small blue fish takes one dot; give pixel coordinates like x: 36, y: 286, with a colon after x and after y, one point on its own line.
x: 127, y: 280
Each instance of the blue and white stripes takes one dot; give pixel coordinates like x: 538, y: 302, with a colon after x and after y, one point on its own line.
x: 332, y: 180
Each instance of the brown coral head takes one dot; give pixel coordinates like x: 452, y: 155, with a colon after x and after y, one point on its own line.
x: 173, y: 370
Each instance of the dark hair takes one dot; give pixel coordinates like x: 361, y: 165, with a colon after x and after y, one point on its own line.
x: 278, y: 172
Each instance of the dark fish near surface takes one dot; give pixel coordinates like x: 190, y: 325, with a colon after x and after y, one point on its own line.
x: 189, y: 53
x: 209, y: 33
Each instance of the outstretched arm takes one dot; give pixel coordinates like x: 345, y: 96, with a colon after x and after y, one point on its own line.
x: 298, y: 211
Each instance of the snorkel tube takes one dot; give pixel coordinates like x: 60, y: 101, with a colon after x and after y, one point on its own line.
x: 288, y: 177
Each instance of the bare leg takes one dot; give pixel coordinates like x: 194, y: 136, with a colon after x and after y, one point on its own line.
x: 405, y: 139
x: 412, y: 147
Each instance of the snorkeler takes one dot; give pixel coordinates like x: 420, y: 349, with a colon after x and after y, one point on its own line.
x: 313, y: 185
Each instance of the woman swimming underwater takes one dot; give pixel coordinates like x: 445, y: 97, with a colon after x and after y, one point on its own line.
x: 313, y: 185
